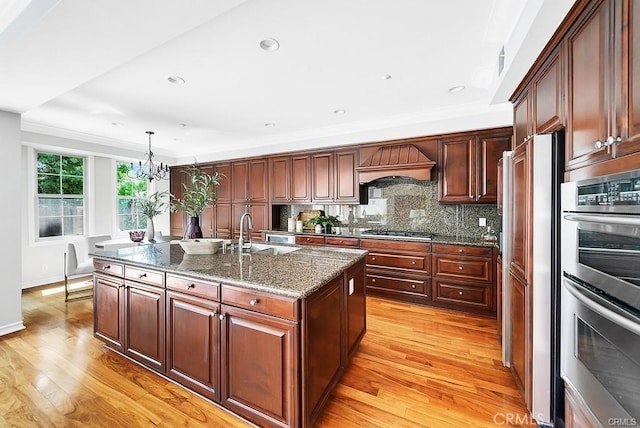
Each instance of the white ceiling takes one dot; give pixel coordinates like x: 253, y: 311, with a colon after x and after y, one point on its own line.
x: 97, y: 70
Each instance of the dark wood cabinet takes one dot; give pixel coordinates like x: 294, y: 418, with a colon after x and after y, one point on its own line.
x: 259, y: 216
x: 309, y: 239
x: 333, y: 177
x: 631, y: 75
x: 178, y: 219
x: 499, y: 286
x: 590, y: 72
x: 193, y: 342
x: 468, y: 168
x: 463, y: 278
x: 547, y: 89
x: 355, y: 311
x: 144, y: 323
x: 521, y: 337
x: 398, y: 270
x: 522, y: 123
x: 520, y: 211
x: 250, y: 181
x: 223, y: 194
x: 259, y: 366
x: 109, y: 307
x: 222, y: 220
x: 290, y: 179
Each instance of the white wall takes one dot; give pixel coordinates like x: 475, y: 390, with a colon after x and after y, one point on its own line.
x: 42, y: 262
x: 10, y: 254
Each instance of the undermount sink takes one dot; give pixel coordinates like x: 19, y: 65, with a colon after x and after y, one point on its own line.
x: 274, y: 250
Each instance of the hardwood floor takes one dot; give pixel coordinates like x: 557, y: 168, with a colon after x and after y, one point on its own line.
x: 416, y: 366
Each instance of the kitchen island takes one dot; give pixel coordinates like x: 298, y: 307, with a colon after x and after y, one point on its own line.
x: 267, y: 335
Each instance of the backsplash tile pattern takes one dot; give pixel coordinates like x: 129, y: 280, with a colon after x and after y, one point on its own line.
x: 407, y: 204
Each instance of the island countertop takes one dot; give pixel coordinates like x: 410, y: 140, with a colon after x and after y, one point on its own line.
x: 296, y: 274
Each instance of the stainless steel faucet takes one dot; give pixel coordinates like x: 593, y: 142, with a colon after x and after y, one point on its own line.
x: 241, y: 244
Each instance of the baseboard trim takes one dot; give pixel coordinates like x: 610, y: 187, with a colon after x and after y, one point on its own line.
x: 11, y: 328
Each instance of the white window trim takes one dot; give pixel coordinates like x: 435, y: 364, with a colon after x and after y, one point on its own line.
x: 151, y: 188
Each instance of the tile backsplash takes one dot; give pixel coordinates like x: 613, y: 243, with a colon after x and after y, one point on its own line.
x: 407, y: 204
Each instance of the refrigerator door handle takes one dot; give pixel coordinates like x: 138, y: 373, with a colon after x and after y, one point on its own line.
x: 604, y: 219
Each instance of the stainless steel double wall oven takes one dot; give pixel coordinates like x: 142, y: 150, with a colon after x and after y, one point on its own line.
x: 600, y: 355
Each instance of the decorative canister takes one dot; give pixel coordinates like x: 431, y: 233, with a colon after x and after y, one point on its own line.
x: 298, y: 225
x: 318, y: 228
x: 291, y: 224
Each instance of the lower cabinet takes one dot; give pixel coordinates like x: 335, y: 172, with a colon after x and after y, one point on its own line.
x: 576, y: 413
x: 520, y: 337
x: 259, y: 366
x: 144, y: 324
x: 108, y: 313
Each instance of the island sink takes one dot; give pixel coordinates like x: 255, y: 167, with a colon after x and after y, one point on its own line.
x: 266, y: 338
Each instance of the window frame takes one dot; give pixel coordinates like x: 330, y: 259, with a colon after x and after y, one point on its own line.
x: 37, y: 196
x: 118, y: 215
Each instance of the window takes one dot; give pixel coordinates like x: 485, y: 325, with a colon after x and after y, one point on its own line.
x: 129, y: 190
x: 60, y: 195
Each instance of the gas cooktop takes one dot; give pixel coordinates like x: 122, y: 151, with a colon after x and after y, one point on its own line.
x: 400, y: 233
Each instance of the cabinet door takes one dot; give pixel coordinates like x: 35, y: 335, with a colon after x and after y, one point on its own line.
x: 520, y: 338
x: 260, y: 218
x: 488, y: 151
x: 145, y: 331
x: 239, y: 189
x: 222, y: 217
x: 263, y: 389
x: 108, y: 313
x: 177, y: 219
x: 322, y: 182
x: 258, y: 184
x: 281, y: 180
x: 193, y: 343
x: 236, y: 212
x: 207, y: 221
x: 223, y: 194
x: 547, y: 92
x: 300, y: 179
x: 520, y: 211
x: 631, y: 74
x: 347, y: 189
x: 457, y: 176
x: 589, y: 77
x: 522, y: 128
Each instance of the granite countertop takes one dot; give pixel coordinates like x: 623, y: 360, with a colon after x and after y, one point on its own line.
x: 357, y: 233
x: 296, y: 274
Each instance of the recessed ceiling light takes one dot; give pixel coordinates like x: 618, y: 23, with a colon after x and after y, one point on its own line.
x: 456, y: 88
x: 270, y: 124
x: 270, y: 44
x: 177, y: 80
x: 339, y: 111
x: 115, y: 124
x: 385, y: 77
x: 183, y: 125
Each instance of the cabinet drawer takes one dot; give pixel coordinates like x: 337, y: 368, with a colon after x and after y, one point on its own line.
x: 477, y: 296
x: 384, y: 244
x: 413, y: 285
x: 401, y: 261
x: 257, y: 301
x: 309, y: 240
x: 475, y: 269
x: 108, y: 267
x: 342, y: 242
x: 194, y: 287
x: 146, y: 276
x: 463, y: 250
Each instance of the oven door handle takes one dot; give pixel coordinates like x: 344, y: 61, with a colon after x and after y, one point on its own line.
x: 604, y: 219
x: 601, y: 310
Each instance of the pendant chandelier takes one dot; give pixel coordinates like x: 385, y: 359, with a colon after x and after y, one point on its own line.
x: 149, y: 170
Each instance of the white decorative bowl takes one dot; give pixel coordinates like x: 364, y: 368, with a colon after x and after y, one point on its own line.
x: 201, y: 246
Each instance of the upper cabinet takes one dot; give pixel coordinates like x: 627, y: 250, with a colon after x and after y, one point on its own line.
x: 333, y: 177
x: 290, y: 179
x: 547, y: 96
x: 250, y: 180
x: 468, y: 167
x: 223, y: 194
x: 631, y: 71
x: 522, y: 123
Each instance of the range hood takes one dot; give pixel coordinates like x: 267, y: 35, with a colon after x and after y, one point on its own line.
x: 404, y: 160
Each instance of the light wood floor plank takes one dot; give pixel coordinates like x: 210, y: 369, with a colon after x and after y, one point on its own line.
x: 416, y: 367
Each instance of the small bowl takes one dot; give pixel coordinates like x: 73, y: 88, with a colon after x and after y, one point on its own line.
x: 136, y: 235
x: 201, y: 246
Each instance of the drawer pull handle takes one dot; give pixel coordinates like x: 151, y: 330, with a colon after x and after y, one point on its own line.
x: 341, y: 241
x: 222, y: 317
x: 253, y: 302
x: 373, y: 258
x: 373, y: 280
x: 413, y: 286
x: 308, y: 239
x: 142, y: 275
x: 460, y: 267
x: 107, y: 267
x: 190, y: 286
x: 461, y: 250
x: 460, y: 293
x: 413, y: 262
